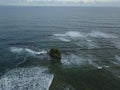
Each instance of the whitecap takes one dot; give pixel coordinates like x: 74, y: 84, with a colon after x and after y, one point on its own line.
x: 106, y: 66
x: 101, y: 35
x: 88, y: 40
x: 90, y: 44
x: 99, y: 67
x: 118, y: 58
x: 74, y: 34
x: 116, y: 43
x: 97, y: 34
x: 116, y: 61
x: 59, y: 35
x: 16, y: 50
x: 64, y: 39
x: 26, y: 50
x: 70, y: 34
x: 92, y: 62
x: 72, y: 59
x: 34, y: 78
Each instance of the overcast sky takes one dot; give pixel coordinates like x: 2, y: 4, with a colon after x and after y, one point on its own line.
x: 62, y: 2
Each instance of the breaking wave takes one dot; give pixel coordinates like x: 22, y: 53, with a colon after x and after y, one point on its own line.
x: 86, y: 39
x: 74, y: 34
x: 116, y: 61
x: 75, y: 60
x: 64, y: 39
x: 96, y: 34
x: 89, y: 44
x: 95, y: 64
x: 118, y: 58
x: 71, y: 60
x: 70, y: 34
x: 26, y: 50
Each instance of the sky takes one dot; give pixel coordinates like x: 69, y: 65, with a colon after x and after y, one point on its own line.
x: 62, y: 2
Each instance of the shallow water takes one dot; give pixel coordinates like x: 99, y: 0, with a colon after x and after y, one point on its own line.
x: 89, y: 39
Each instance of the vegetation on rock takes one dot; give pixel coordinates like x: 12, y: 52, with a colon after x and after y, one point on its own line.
x: 55, y: 53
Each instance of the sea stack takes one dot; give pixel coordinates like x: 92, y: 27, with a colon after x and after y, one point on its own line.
x: 55, y: 55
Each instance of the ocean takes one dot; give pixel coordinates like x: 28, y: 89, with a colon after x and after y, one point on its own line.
x: 88, y: 38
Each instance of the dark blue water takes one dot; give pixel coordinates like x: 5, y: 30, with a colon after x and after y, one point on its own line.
x: 88, y: 37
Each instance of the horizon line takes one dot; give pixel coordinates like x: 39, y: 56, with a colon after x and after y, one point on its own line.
x: 61, y: 5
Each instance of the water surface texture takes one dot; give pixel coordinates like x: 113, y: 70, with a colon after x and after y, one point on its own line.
x: 88, y: 37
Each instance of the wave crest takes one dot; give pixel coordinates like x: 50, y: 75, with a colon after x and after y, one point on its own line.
x: 70, y: 34
x: 96, y: 34
x: 26, y: 50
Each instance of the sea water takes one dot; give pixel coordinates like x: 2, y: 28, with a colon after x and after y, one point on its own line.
x: 88, y: 37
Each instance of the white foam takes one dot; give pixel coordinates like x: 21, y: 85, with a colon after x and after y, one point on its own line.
x: 70, y: 34
x: 64, y: 39
x: 99, y: 67
x: 85, y: 39
x: 101, y: 35
x: 16, y: 50
x: 106, y: 66
x: 116, y: 61
x: 71, y: 60
x: 118, y: 58
x: 74, y: 34
x: 94, y: 64
x: 90, y: 44
x: 97, y: 34
x: 116, y: 42
x: 26, y: 50
x: 26, y: 79
x: 59, y: 35
x: 88, y: 40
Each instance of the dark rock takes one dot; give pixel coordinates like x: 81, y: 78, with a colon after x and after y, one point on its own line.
x: 55, y: 54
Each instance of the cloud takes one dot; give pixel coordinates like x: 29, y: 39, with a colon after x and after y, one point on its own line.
x: 58, y: 2
x: 74, y: 1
